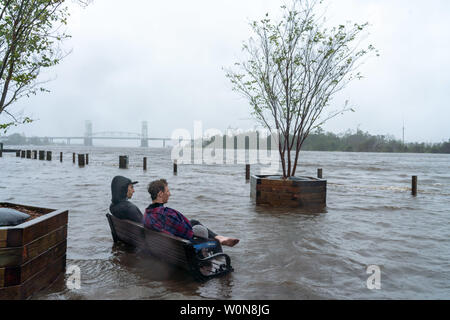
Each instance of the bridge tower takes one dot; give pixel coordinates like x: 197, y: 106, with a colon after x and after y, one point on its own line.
x: 88, y: 133
x: 144, y: 135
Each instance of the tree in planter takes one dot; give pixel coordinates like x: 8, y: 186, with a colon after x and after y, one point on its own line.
x: 293, y: 69
x: 29, y: 41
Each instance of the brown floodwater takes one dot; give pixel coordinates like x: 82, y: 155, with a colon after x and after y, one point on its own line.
x: 371, y: 219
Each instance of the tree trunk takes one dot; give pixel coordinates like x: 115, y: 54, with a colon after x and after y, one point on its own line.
x: 289, y: 156
x: 283, y: 160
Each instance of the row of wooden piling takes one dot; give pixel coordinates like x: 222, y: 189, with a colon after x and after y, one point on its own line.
x: 124, y: 161
x: 123, y: 164
x: 413, y: 181
x: 33, y: 154
x: 83, y: 159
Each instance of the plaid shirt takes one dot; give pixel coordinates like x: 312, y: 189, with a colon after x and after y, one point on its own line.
x: 167, y: 220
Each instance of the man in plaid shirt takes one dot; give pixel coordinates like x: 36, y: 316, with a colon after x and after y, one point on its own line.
x: 170, y: 221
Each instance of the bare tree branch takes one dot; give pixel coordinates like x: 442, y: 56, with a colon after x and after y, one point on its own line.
x: 293, y: 69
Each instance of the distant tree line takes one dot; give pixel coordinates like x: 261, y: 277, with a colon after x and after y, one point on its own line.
x: 20, y: 140
x: 319, y: 140
x: 360, y: 141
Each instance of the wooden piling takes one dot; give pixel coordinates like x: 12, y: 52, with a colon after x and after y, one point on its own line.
x: 319, y: 173
x: 87, y: 158
x: 247, y: 150
x: 49, y: 156
x: 81, y: 160
x: 73, y: 157
x: 123, y: 162
x: 28, y: 154
x: 18, y: 153
x: 145, y: 163
x: 41, y: 155
x: 22, y: 153
x: 247, y: 172
x: 60, y: 157
x: 1, y: 150
x: 175, y: 167
x: 35, y: 154
x: 414, y: 186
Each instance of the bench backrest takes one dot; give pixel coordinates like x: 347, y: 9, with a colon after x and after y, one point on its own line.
x: 167, y: 247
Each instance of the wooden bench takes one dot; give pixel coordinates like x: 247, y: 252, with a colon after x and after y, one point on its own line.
x: 203, y: 258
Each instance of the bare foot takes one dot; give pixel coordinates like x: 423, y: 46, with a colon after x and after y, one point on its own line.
x: 230, y: 242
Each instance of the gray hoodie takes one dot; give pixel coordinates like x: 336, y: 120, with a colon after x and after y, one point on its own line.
x: 120, y: 206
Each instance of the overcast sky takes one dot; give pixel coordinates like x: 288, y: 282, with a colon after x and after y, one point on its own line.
x: 161, y: 62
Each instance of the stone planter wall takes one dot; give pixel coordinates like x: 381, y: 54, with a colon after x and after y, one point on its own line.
x: 297, y: 192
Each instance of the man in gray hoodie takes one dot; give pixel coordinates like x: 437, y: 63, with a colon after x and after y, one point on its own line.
x: 122, y: 189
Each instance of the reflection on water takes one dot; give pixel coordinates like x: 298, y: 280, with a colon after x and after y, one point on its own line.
x: 371, y: 218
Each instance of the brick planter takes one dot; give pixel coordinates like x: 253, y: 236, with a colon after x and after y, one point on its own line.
x: 32, y: 254
x: 295, y: 192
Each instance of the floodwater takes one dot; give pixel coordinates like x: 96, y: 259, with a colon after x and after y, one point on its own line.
x: 371, y: 219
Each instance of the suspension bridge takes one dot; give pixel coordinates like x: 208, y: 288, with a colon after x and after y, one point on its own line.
x: 89, y: 136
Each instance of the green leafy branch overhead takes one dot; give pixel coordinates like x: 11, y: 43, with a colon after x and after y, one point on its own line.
x: 30, y: 39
